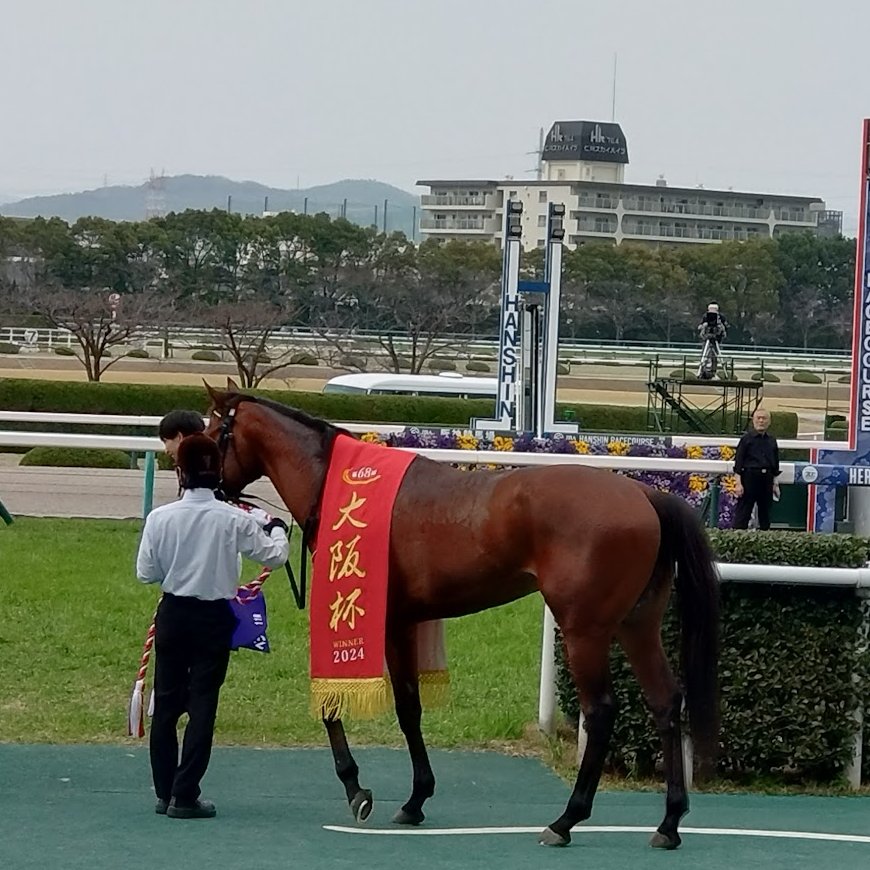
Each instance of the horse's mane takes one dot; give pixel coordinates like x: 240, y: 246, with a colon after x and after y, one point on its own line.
x: 326, y: 430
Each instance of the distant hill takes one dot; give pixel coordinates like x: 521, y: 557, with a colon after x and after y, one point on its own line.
x: 181, y: 192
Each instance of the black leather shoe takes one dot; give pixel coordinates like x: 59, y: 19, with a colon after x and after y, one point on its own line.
x: 198, y: 810
x: 160, y: 807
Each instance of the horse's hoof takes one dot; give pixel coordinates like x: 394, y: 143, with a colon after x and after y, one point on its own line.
x: 663, y: 841
x: 362, y: 804
x: 549, y: 837
x: 405, y: 817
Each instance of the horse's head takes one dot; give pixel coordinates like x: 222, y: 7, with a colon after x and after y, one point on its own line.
x: 240, y: 463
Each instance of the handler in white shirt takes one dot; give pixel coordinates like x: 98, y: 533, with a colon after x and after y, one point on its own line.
x: 192, y: 548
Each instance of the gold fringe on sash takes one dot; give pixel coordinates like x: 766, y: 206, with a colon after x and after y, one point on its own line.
x: 337, y: 699
x: 434, y: 688
x: 367, y: 698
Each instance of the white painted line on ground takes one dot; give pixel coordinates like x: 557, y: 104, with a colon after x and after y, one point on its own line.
x: 602, y: 829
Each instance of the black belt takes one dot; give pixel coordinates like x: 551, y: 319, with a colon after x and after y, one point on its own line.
x: 758, y: 470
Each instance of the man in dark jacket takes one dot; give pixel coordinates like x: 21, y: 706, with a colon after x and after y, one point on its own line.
x: 757, y: 464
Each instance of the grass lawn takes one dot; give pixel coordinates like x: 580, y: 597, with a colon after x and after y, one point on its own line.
x: 75, y: 618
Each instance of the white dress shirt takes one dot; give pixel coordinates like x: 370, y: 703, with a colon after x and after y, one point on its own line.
x: 192, y: 547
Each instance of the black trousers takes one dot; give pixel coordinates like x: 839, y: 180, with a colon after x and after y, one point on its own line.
x: 757, y: 490
x: 192, y: 641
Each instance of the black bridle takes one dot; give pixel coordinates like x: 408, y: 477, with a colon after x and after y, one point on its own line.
x: 225, y: 442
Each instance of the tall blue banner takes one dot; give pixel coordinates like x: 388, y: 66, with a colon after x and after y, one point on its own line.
x: 821, y: 498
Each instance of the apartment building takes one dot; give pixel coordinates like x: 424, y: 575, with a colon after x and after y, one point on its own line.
x: 582, y: 165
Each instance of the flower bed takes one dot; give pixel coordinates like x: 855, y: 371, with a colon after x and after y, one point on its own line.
x: 691, y: 486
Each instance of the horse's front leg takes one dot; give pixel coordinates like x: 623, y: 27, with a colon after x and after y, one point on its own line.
x: 402, y: 663
x: 360, y: 799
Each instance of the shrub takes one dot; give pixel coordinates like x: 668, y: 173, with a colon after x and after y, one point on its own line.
x: 352, y: 362
x: 63, y: 350
x: 303, y: 358
x: 563, y: 369
x: 682, y: 373
x: 476, y: 365
x: 76, y: 457
x: 801, y: 377
x: 165, y: 462
x: 788, y: 656
x: 206, y: 356
x: 441, y: 365
x: 844, y: 379
x: 6, y: 347
x: 139, y: 353
x: 767, y: 377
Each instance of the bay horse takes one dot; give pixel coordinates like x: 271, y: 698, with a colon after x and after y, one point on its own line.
x: 600, y: 548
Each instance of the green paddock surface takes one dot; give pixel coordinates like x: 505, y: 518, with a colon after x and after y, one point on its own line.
x: 91, y: 808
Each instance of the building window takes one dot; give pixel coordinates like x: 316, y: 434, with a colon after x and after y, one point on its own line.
x: 542, y: 220
x: 541, y: 243
x: 512, y: 194
x: 542, y: 196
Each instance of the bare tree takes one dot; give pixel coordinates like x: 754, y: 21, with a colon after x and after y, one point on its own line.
x: 247, y: 331
x: 103, y: 324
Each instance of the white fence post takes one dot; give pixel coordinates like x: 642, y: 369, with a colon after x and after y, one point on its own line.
x: 547, y: 689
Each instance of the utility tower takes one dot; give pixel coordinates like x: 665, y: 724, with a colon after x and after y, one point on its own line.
x: 155, y: 196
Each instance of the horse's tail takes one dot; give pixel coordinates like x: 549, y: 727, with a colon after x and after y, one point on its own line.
x: 685, y: 543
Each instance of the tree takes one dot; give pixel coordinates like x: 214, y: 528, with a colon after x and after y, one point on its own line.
x: 246, y: 331
x: 612, y: 280
x: 818, y: 278
x: 742, y: 277
x: 101, y: 323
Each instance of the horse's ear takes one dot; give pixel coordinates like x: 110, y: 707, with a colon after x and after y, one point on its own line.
x: 213, y: 394
x: 232, y: 385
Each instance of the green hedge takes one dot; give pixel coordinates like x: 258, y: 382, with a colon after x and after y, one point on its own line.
x: 767, y: 377
x: 5, y: 347
x: 801, y: 377
x: 206, y: 356
x: 155, y: 400
x: 76, y: 457
x: 787, y: 661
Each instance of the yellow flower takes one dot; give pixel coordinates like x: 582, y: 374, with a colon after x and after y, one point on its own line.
x: 618, y: 448
x: 726, y: 452
x: 503, y: 442
x: 581, y: 446
x: 694, y: 451
x: 697, y: 483
x: 466, y: 441
x: 370, y: 437
x: 729, y: 483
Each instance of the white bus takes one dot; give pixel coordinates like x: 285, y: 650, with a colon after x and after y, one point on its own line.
x: 449, y: 384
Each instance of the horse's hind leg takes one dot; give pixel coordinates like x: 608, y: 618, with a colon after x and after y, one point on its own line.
x: 588, y: 659
x: 640, y: 637
x: 360, y: 799
x: 402, y: 664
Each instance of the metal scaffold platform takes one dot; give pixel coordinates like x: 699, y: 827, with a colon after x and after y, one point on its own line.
x: 718, y: 406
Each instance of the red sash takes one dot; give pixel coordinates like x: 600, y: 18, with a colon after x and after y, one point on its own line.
x: 349, y: 579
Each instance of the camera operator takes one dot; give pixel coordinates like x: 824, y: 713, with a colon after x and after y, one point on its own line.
x: 714, y: 325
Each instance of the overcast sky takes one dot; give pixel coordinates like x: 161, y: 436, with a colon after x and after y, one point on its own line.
x: 759, y: 95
